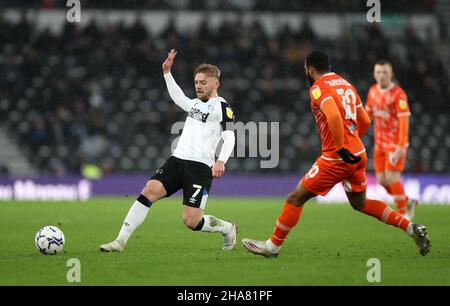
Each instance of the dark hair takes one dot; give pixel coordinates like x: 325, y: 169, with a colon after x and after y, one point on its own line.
x: 319, y: 60
x: 385, y: 62
x: 209, y: 70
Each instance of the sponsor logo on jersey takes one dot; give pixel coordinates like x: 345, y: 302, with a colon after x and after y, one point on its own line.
x: 197, y: 114
x: 316, y: 93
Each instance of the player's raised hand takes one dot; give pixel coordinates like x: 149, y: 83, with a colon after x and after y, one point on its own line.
x: 169, y: 61
x: 218, y: 169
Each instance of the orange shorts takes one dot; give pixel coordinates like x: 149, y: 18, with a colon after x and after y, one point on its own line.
x: 325, y: 174
x: 383, y: 163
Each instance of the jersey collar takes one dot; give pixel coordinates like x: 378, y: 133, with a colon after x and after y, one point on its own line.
x: 386, y: 89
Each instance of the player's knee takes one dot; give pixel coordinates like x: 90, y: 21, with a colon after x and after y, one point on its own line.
x: 391, y: 179
x: 381, y: 180
x: 146, y: 191
x: 357, y: 200
x: 149, y: 189
x: 190, y: 221
x: 295, y: 199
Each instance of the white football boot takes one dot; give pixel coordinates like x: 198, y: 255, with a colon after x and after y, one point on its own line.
x: 260, y: 247
x: 229, y: 239
x: 114, y: 246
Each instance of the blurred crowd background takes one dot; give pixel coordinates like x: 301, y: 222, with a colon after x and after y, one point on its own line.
x: 236, y: 5
x: 96, y: 95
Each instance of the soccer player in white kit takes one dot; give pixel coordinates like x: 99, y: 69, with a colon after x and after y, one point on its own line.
x: 192, y: 165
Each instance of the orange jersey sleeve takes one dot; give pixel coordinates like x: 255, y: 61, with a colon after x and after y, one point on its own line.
x: 334, y: 121
x: 401, y: 104
x: 403, y: 113
x: 403, y: 131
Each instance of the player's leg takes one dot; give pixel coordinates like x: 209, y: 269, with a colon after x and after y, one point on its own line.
x: 380, y: 163
x: 319, y: 180
x: 397, y: 190
x: 381, y: 179
x: 355, y: 187
x: 287, y: 220
x: 163, y: 183
x: 290, y: 215
x: 405, y: 205
x: 197, y: 179
x: 195, y: 219
x: 384, y: 213
x: 388, y: 175
x: 152, y: 192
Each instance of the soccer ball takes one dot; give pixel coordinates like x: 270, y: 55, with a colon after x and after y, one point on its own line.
x: 50, y: 240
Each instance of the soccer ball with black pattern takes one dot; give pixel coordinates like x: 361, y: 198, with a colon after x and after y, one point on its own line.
x: 50, y: 240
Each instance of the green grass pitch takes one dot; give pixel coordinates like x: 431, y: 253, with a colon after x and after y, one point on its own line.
x: 330, y: 246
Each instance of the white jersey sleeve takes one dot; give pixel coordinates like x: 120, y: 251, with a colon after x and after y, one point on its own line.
x: 227, y: 118
x: 177, y: 94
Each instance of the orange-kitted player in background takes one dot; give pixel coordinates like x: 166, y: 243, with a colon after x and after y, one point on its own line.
x: 387, y: 105
x: 341, y: 121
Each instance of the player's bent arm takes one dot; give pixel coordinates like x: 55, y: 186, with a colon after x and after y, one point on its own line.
x: 363, y: 120
x: 334, y: 120
x: 227, y: 147
x: 176, y: 93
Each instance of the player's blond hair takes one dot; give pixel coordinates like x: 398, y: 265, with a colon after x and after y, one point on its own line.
x: 209, y: 70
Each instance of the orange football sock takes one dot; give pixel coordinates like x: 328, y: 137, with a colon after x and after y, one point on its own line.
x: 384, y: 213
x: 286, y: 221
x: 400, y: 198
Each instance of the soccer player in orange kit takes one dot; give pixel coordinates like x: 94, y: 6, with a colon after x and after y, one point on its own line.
x: 342, y: 121
x: 387, y: 105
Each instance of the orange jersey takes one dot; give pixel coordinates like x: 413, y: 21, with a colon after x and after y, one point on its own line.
x: 332, y: 88
x: 385, y: 107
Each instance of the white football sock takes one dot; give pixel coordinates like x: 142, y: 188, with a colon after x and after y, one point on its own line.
x: 409, y: 229
x: 272, y: 247
x: 136, y: 215
x: 215, y: 225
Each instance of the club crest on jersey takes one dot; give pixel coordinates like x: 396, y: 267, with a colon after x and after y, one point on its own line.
x: 402, y: 104
x: 316, y: 93
x: 197, y: 114
x: 229, y: 113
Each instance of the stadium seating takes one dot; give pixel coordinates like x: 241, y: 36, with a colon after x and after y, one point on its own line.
x: 232, y: 5
x: 97, y: 94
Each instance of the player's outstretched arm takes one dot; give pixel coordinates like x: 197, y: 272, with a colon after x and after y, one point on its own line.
x: 175, y: 92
